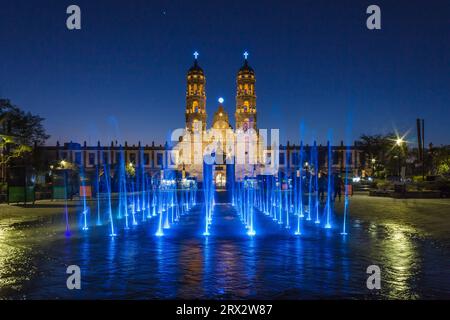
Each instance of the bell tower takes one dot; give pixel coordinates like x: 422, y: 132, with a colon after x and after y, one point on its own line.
x: 196, y: 98
x: 245, y: 97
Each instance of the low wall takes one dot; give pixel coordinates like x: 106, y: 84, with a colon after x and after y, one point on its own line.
x: 406, y: 195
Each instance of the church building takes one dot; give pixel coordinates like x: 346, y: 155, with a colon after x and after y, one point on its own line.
x: 221, y: 141
x: 234, y: 151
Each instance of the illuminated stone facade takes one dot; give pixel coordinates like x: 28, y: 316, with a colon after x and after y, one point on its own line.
x: 221, y: 141
x: 196, y: 98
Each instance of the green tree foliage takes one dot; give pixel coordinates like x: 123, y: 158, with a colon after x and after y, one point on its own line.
x: 25, y: 127
x: 19, y: 131
x: 387, y: 155
x: 441, y: 160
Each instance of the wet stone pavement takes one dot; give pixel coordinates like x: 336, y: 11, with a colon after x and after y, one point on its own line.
x: 274, y: 264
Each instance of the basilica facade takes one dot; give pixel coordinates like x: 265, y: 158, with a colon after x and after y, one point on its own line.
x: 239, y: 148
x: 235, y: 149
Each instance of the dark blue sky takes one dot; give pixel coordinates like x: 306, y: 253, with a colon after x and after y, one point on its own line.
x: 122, y: 77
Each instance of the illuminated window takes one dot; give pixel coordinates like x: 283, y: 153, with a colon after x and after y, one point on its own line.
x: 195, y: 125
x: 246, y: 125
x: 195, y: 106
x: 246, y: 106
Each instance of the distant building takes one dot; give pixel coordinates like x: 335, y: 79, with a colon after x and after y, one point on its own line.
x: 220, y: 141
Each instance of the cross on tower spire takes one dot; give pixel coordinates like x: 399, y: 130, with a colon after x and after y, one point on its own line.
x: 196, y: 54
x: 245, y: 55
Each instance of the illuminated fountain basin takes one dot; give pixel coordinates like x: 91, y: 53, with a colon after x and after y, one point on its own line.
x: 135, y: 264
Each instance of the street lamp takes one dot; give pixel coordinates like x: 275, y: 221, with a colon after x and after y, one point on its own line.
x: 373, y: 166
x: 399, y: 141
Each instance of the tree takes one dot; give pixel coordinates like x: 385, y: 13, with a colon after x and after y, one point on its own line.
x: 25, y: 127
x: 19, y: 132
x: 382, y: 152
x: 441, y: 160
x: 377, y: 146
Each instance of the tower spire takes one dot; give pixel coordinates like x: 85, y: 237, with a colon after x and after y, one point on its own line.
x: 196, y: 97
x: 245, y: 97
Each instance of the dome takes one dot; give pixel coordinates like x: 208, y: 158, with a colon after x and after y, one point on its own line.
x: 246, y: 68
x: 195, y: 69
x: 221, y: 120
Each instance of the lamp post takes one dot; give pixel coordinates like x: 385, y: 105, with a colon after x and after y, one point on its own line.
x: 399, y: 143
x: 397, y: 162
x: 373, y: 166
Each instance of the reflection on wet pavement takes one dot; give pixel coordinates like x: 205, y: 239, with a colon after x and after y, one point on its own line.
x: 183, y: 264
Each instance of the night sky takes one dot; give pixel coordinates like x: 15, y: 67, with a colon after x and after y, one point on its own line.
x: 122, y: 77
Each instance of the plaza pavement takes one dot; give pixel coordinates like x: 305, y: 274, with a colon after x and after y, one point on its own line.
x: 429, y: 218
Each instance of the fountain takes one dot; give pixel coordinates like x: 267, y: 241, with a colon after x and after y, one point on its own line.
x: 97, y: 189
x: 316, y: 182
x: 280, y: 197
x: 329, y: 187
x: 83, y: 195
x: 346, y: 200
x: 208, y: 193
x: 299, y: 193
x: 108, y: 190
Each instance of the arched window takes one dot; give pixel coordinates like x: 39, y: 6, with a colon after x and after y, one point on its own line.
x: 246, y: 105
x: 246, y: 124
x: 195, y: 106
x: 195, y: 125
